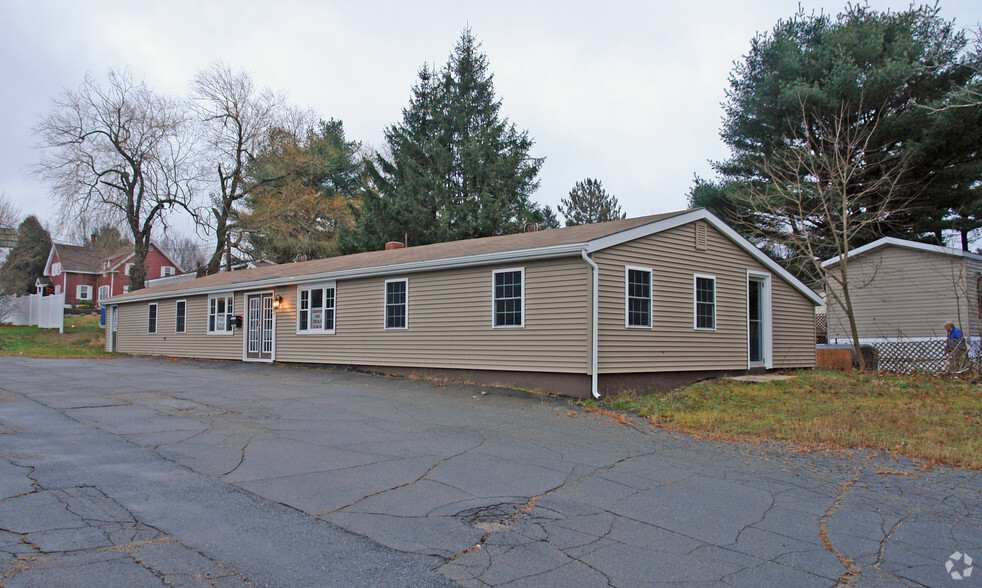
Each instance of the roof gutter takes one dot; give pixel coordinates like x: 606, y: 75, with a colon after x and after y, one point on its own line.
x: 555, y: 251
x: 594, y: 355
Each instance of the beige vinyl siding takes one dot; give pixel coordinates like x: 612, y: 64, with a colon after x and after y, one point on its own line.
x: 196, y: 342
x: 450, y: 322
x: 793, y: 332
x: 901, y: 292
x: 974, y: 302
x: 673, y: 344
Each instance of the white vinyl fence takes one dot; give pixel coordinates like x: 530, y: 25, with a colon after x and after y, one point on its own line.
x: 47, y: 312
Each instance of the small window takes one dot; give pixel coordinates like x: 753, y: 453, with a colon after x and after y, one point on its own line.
x: 57, y: 288
x: 83, y: 292
x: 396, y: 303
x: 705, y: 302
x: 315, y: 309
x: 103, y: 292
x: 638, y: 297
x: 126, y: 289
x: 56, y: 269
x: 152, y: 319
x: 180, y: 324
x: 508, y: 297
x: 127, y: 268
x: 220, y: 312
x: 166, y: 270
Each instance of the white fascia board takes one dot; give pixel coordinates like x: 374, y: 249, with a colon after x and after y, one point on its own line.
x: 906, y: 244
x: 370, y: 272
x: 705, y: 215
x: 47, y: 264
x: 122, y: 260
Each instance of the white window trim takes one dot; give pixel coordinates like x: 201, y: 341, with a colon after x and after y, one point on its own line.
x: 521, y: 297
x: 164, y: 273
x: 56, y: 268
x: 57, y: 288
x: 322, y: 286
x: 87, y: 289
x: 107, y: 290
x: 127, y: 268
x: 230, y: 316
x: 385, y: 306
x: 156, y: 318
x: 695, y: 301
x: 176, y: 305
x: 627, y: 298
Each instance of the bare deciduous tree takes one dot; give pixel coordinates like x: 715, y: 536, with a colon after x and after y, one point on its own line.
x: 118, y: 154
x: 9, y: 213
x: 186, y: 251
x: 820, y: 186
x: 237, y: 120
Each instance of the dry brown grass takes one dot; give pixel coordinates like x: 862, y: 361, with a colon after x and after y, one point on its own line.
x: 936, y: 418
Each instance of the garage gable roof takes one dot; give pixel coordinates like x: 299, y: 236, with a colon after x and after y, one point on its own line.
x: 482, y: 251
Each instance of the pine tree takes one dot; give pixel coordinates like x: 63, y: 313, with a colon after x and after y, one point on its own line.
x: 25, y: 262
x: 589, y: 203
x: 455, y: 168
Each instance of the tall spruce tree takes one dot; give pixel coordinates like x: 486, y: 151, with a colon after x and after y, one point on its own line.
x: 588, y: 203
x: 25, y: 262
x: 455, y: 168
x: 896, y: 72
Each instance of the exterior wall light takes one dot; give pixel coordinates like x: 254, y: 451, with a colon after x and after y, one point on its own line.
x: 277, y: 301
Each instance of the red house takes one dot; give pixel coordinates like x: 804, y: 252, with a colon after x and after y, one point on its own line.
x: 88, y: 273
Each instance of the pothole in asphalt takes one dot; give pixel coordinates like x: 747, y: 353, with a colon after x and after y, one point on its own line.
x: 496, y: 517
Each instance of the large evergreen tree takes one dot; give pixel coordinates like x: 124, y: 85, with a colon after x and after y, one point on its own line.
x: 894, y: 72
x: 455, y: 169
x: 25, y: 262
x: 302, y: 187
x: 588, y: 203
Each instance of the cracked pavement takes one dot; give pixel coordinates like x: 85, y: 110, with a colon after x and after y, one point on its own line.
x: 150, y: 472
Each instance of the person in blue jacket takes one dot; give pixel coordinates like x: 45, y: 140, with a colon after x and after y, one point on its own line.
x: 955, y: 347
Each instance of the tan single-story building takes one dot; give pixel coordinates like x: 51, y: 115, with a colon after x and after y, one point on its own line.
x: 642, y: 304
x: 905, y: 291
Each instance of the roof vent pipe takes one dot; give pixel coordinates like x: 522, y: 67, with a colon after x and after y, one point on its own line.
x: 394, y: 245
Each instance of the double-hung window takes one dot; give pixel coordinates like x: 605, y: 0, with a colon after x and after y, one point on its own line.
x: 166, y: 270
x: 181, y: 318
x: 152, y: 319
x: 705, y: 302
x: 220, y: 311
x: 83, y: 292
x: 315, y: 309
x: 509, y: 297
x: 103, y: 292
x: 638, y: 297
x: 396, y: 303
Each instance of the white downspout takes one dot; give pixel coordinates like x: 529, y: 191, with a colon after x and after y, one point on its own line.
x: 593, y: 330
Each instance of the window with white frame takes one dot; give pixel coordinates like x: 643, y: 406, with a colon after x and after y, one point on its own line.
x: 220, y: 312
x: 705, y: 302
x: 127, y: 268
x: 103, y: 292
x: 181, y: 317
x: 83, y: 292
x: 315, y: 308
x: 638, y: 297
x: 508, y: 297
x: 166, y: 270
x: 126, y: 289
x: 57, y: 288
x: 152, y: 318
x: 396, y: 303
x: 56, y: 268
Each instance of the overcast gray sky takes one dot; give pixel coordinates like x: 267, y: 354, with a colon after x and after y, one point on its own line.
x: 627, y: 92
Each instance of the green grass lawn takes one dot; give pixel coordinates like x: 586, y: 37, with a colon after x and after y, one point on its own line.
x: 935, y: 418
x: 83, y: 337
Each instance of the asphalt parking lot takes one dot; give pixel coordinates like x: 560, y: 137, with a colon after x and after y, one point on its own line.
x: 149, y: 472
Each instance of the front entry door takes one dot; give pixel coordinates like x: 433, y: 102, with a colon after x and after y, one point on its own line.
x: 259, y: 327
x: 113, y: 327
x: 759, y: 321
